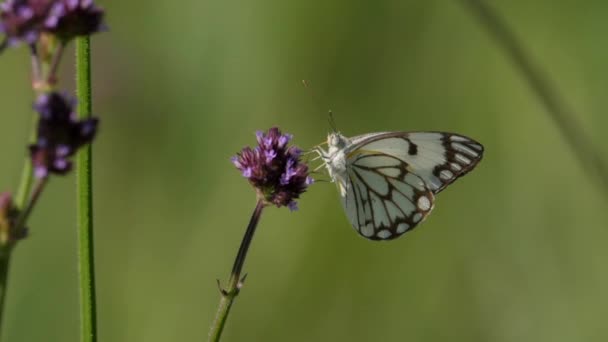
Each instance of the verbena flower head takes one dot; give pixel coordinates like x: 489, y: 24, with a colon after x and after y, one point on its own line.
x: 21, y: 20
x: 59, y: 134
x: 68, y: 19
x: 25, y: 20
x: 274, y: 169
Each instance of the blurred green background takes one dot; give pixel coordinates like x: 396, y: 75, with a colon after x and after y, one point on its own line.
x: 515, y: 251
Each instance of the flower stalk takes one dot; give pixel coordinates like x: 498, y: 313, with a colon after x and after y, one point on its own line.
x: 278, y: 177
x: 46, y: 27
x: 236, y: 281
x: 84, y: 186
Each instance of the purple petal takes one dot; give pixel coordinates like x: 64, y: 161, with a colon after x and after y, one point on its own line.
x: 270, y: 155
x: 283, y: 140
x: 60, y: 164
x: 41, y: 172
x: 267, y: 142
x: 51, y: 22
x: 63, y: 150
x: 235, y: 161
x: 293, y: 206
x: 88, y: 128
x: 309, y: 180
x: 259, y: 135
x: 31, y: 37
x: 284, y: 179
x: 247, y: 172
x: 25, y: 13
x: 295, y: 152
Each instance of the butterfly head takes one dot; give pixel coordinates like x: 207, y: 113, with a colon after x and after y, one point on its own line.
x: 336, y: 140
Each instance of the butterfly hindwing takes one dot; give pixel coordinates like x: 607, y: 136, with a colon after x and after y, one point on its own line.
x: 383, y: 199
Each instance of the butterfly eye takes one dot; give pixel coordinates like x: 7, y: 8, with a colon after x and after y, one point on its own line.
x: 332, y: 139
x: 335, y: 139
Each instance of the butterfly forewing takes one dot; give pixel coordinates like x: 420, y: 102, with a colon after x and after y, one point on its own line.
x: 438, y: 158
x: 383, y: 200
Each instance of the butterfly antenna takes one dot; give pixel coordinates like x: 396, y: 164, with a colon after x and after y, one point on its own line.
x: 315, y: 101
x: 332, y: 122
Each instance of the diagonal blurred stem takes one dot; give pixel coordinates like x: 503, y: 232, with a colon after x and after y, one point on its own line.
x: 84, y: 189
x: 236, y: 282
x: 26, y: 210
x: 21, y: 202
x: 5, y: 258
x: 560, y: 113
x: 6, y: 249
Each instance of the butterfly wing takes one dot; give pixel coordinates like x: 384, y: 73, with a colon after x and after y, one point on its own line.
x: 393, y: 176
x: 383, y: 200
x: 438, y: 158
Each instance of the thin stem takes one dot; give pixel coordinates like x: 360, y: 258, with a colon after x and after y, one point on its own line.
x: 36, y: 67
x: 236, y: 282
x: 84, y: 188
x: 5, y: 258
x: 27, y: 210
x: 22, y: 203
x: 52, y: 76
x: 25, y: 184
x: 563, y: 116
x: 5, y: 250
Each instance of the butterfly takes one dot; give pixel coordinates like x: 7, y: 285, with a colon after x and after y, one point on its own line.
x: 388, y: 180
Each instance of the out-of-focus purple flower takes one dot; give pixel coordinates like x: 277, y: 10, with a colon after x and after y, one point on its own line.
x: 60, y: 134
x: 68, y: 19
x: 8, y: 218
x: 21, y: 20
x: 274, y: 170
x: 25, y: 20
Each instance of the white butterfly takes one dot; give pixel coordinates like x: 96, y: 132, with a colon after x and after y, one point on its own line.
x: 388, y: 180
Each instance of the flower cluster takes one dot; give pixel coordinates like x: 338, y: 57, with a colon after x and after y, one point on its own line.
x: 274, y: 169
x: 25, y: 20
x: 71, y: 18
x: 21, y: 20
x: 59, y: 134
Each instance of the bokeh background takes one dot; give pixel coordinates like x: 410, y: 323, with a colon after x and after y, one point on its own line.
x: 515, y: 251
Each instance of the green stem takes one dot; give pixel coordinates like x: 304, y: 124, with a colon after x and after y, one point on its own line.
x: 25, y: 184
x: 545, y: 90
x: 88, y: 313
x: 5, y: 250
x: 5, y: 258
x: 27, y: 210
x: 236, y: 282
x: 21, y: 202
x: 27, y: 176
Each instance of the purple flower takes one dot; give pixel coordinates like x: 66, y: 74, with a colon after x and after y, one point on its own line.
x: 25, y: 20
x: 21, y: 20
x: 274, y: 169
x: 60, y: 134
x: 68, y: 19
